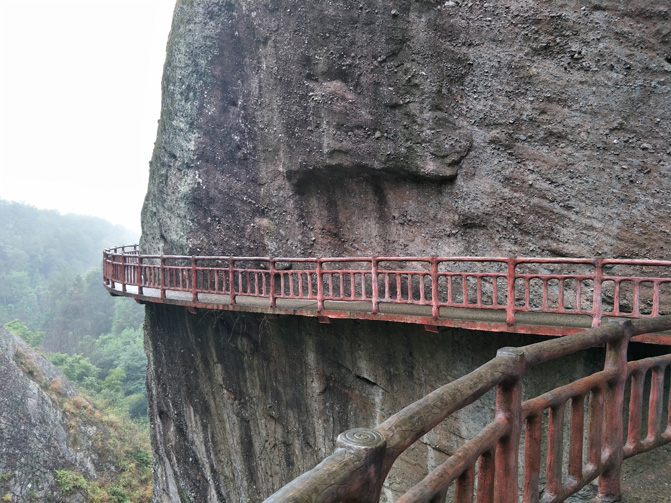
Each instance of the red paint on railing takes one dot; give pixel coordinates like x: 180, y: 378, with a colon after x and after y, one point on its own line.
x: 594, y: 288
x: 492, y: 455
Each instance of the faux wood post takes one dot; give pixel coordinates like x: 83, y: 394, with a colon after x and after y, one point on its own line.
x: 231, y: 282
x: 370, y: 445
x: 320, y: 287
x: 434, y: 288
x: 375, y: 292
x: 612, y: 452
x: 596, y: 302
x: 273, y: 271
x: 164, y: 276
x: 138, y: 274
x: 194, y: 279
x: 510, y: 309
x: 123, y: 272
x: 509, y: 409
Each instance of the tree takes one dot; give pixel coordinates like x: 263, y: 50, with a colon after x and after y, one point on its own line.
x: 33, y: 339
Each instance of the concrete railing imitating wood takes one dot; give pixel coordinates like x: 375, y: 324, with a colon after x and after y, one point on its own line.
x: 356, y: 470
x: 545, y: 296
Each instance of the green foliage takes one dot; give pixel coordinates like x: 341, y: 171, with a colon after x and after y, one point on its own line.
x: 127, y: 315
x: 124, y: 350
x: 50, y: 273
x: 33, y: 339
x: 113, y: 383
x: 137, y: 405
x: 70, y: 481
x: 115, y: 370
x: 77, y: 368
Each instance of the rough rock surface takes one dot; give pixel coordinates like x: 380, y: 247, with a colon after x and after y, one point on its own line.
x: 47, y: 426
x: 33, y: 431
x: 381, y: 128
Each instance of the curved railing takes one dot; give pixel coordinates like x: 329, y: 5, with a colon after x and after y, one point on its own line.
x: 551, y: 296
x: 593, y: 405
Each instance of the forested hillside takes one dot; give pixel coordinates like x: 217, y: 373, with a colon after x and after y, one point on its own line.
x: 45, y: 260
x: 52, y: 295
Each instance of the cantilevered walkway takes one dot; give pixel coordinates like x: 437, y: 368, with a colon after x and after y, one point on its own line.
x: 545, y: 296
x: 543, y: 449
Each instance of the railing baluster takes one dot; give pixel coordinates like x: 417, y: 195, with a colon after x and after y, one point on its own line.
x: 194, y: 280
x: 163, y: 277
x: 532, y: 458
x: 463, y: 492
x: 637, y: 381
x: 594, y: 428
x: 435, y: 313
x: 320, y: 288
x: 231, y: 281
x: 486, y: 468
x: 576, y: 437
x: 655, y: 404
x: 555, y: 450
x: 597, y: 310
x: 655, y: 299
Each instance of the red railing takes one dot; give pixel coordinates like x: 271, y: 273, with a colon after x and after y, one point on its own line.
x: 485, y: 469
x: 594, y: 288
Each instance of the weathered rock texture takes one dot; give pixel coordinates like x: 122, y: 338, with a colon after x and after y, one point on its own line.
x: 242, y: 404
x: 293, y: 128
x: 296, y: 128
x: 47, y: 426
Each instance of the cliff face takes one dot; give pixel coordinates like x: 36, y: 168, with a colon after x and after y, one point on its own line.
x: 380, y: 128
x: 414, y: 127
x: 243, y: 404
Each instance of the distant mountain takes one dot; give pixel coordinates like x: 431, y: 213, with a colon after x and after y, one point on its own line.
x: 42, y: 242
x: 41, y: 254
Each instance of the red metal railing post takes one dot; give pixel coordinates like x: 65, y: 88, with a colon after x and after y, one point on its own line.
x: 612, y: 452
x: 509, y: 409
x: 231, y: 281
x: 320, y: 287
x: 194, y: 279
x: 434, y: 288
x: 375, y: 292
x: 596, y: 301
x: 273, y: 300
x: 164, y: 276
x: 510, y: 305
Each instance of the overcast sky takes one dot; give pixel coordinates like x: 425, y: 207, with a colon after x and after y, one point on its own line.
x: 80, y: 86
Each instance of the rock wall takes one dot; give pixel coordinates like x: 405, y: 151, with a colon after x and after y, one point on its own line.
x: 55, y: 446
x: 243, y: 404
x: 381, y: 128
x: 419, y: 127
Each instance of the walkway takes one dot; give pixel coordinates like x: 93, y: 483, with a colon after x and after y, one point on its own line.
x: 544, y: 296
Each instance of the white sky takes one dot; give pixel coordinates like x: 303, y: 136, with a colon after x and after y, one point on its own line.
x: 80, y: 88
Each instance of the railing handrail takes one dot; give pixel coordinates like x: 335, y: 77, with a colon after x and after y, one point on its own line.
x: 355, y: 472
x: 433, y: 281
x: 507, y: 369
